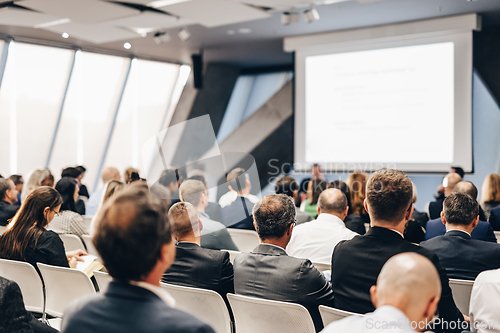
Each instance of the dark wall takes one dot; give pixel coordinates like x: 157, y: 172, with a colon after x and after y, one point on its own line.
x: 486, y: 53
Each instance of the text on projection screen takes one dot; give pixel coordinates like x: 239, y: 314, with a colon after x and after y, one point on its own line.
x: 392, y: 105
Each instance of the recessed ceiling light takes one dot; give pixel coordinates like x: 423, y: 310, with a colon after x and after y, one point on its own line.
x: 244, y: 30
x: 161, y: 37
x: 65, y: 35
x: 127, y: 45
x: 311, y: 15
x: 184, y: 34
x: 231, y: 32
x: 289, y: 18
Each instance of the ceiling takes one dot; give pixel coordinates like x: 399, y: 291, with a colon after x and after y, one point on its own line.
x: 246, y: 33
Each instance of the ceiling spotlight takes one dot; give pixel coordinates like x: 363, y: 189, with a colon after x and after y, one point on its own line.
x: 127, y: 45
x: 65, y: 35
x: 184, y: 34
x: 311, y: 15
x: 161, y: 37
x: 289, y: 18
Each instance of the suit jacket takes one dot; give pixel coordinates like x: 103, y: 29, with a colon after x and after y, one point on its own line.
x: 268, y: 272
x: 14, y: 317
x: 238, y: 214
x: 483, y: 231
x: 495, y: 218
x: 435, y: 208
x: 357, y: 263
x: 127, y: 308
x: 421, y: 217
x: 7, y: 211
x: 215, y: 235
x: 356, y: 223
x: 197, y: 267
x: 302, y: 217
x: 463, y: 257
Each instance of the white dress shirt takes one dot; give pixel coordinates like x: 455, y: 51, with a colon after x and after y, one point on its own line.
x: 231, y: 196
x: 209, y: 225
x: 484, y: 307
x: 385, y: 319
x: 316, y: 240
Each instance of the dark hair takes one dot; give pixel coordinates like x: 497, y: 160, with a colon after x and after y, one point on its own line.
x: 286, y: 185
x: 318, y: 186
x: 131, y: 230
x: 342, y: 186
x: 71, y: 172
x: 29, y: 222
x: 273, y: 214
x: 201, y: 178
x: 81, y: 168
x: 304, y: 184
x: 459, y: 170
x: 66, y: 187
x: 4, y: 187
x: 16, y: 179
x: 168, y: 176
x: 235, y: 180
x: 389, y: 193
x: 460, y: 208
x: 467, y: 187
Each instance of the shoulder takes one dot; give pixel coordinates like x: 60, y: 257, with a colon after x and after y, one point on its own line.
x: 8, y: 286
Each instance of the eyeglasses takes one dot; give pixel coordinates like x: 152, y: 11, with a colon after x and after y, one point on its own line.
x: 294, y: 223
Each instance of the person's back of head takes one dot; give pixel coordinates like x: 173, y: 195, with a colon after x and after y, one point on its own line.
x: 286, y: 185
x: 333, y: 201
x: 6, y: 186
x: 389, y: 195
x: 128, y: 173
x: 450, y: 181
x: 185, y: 221
x: 357, y: 185
x: 35, y: 180
x: 409, y: 282
x: 68, y: 189
x: 237, y: 180
x: 460, y: 209
x: 199, y: 177
x: 316, y: 186
x: 343, y: 187
x: 113, y: 187
x: 170, y: 179
x: 110, y: 173
x: 458, y: 170
x: 71, y: 172
x: 490, y: 192
x: 467, y: 187
x: 192, y: 191
x: 273, y: 216
x: 131, y: 232
x: 17, y: 179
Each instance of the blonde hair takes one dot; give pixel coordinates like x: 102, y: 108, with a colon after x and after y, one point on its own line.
x: 112, y: 188
x: 35, y: 180
x: 357, y: 185
x: 490, y: 191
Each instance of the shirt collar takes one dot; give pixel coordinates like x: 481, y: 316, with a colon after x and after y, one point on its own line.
x: 203, y: 214
x: 279, y: 247
x: 330, y: 218
x: 460, y: 231
x: 158, y: 291
x: 399, y: 233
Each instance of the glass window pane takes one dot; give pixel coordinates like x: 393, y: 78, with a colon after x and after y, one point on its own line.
x: 30, y: 99
x: 144, y: 105
x: 88, y: 113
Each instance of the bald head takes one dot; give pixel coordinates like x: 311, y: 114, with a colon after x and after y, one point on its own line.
x: 185, y: 221
x: 467, y: 188
x: 110, y: 173
x: 332, y: 201
x: 450, y: 181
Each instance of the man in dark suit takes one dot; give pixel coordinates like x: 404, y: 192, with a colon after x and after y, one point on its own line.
x: 195, y: 266
x: 356, y: 263
x: 495, y: 218
x: 268, y: 272
x: 238, y: 214
x: 8, y: 197
x: 134, y: 241
x: 461, y: 256
x: 483, y: 231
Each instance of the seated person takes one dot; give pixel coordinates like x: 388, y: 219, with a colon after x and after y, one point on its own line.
x: 314, y: 189
x: 434, y: 208
x: 357, y: 214
x: 484, y: 307
x: 26, y: 239
x: 68, y: 220
x: 213, y: 210
x: 353, y: 222
x: 287, y: 185
x: 268, y: 272
x: 133, y: 239
x: 238, y: 214
x: 19, y: 182
x: 8, y: 200
x: 355, y: 269
x: 214, y: 234
x: 407, y: 294
x: 316, y: 240
x: 461, y: 256
x: 483, y: 231
x: 495, y: 218
x: 195, y: 266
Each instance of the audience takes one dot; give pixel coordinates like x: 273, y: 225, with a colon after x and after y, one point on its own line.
x: 134, y: 241
x: 357, y: 185
x: 421, y: 217
x: 484, y: 306
x: 352, y: 222
x: 108, y: 174
x: 213, y: 209
x: 495, y: 218
x: 76, y: 174
x: 415, y: 227
x: 68, y: 220
x: 434, y: 208
x: 237, y: 213
x: 8, y: 199
x: 268, y: 272
x: 19, y: 182
x: 195, y: 266
x: 287, y: 185
x: 483, y: 231
x: 356, y: 263
x: 490, y: 194
x: 406, y: 297
x: 314, y: 189
x: 462, y: 256
x: 316, y: 240
x: 26, y: 238
x: 112, y: 187
x: 214, y: 234
x: 83, y: 189
x: 40, y: 177
x: 170, y: 179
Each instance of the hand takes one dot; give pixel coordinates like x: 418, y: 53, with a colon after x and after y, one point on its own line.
x: 466, y: 318
x: 72, y: 262
x: 76, y: 255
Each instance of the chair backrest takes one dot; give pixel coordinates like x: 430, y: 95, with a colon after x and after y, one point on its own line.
x: 232, y: 255
x: 90, y: 247
x: 87, y: 219
x: 322, y: 267
x: 461, y: 290
x: 30, y: 283
x: 206, y: 305
x: 103, y: 279
x: 329, y: 314
x: 62, y: 286
x: 245, y: 240
x: 72, y: 242
x: 262, y: 315
x: 497, y: 235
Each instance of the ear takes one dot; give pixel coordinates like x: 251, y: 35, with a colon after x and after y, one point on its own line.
x: 290, y: 229
x: 373, y: 295
x: 230, y: 188
x: 46, y: 211
x: 475, y: 222
x: 318, y: 210
x: 365, y: 203
x: 431, y: 307
x: 442, y: 218
x: 295, y: 193
x: 346, y: 212
x: 409, y: 212
x: 201, y: 226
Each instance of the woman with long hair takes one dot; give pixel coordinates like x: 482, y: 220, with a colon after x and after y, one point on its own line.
x: 26, y: 238
x: 68, y: 221
x: 490, y: 193
x: 314, y: 189
x: 37, y: 178
x: 111, y: 189
x: 357, y: 185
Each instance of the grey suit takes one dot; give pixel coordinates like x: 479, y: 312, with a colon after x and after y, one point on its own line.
x: 301, y: 216
x: 268, y: 272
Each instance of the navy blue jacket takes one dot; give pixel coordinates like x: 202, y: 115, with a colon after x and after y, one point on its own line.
x: 238, y: 214
x: 495, y: 218
x: 483, y: 231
